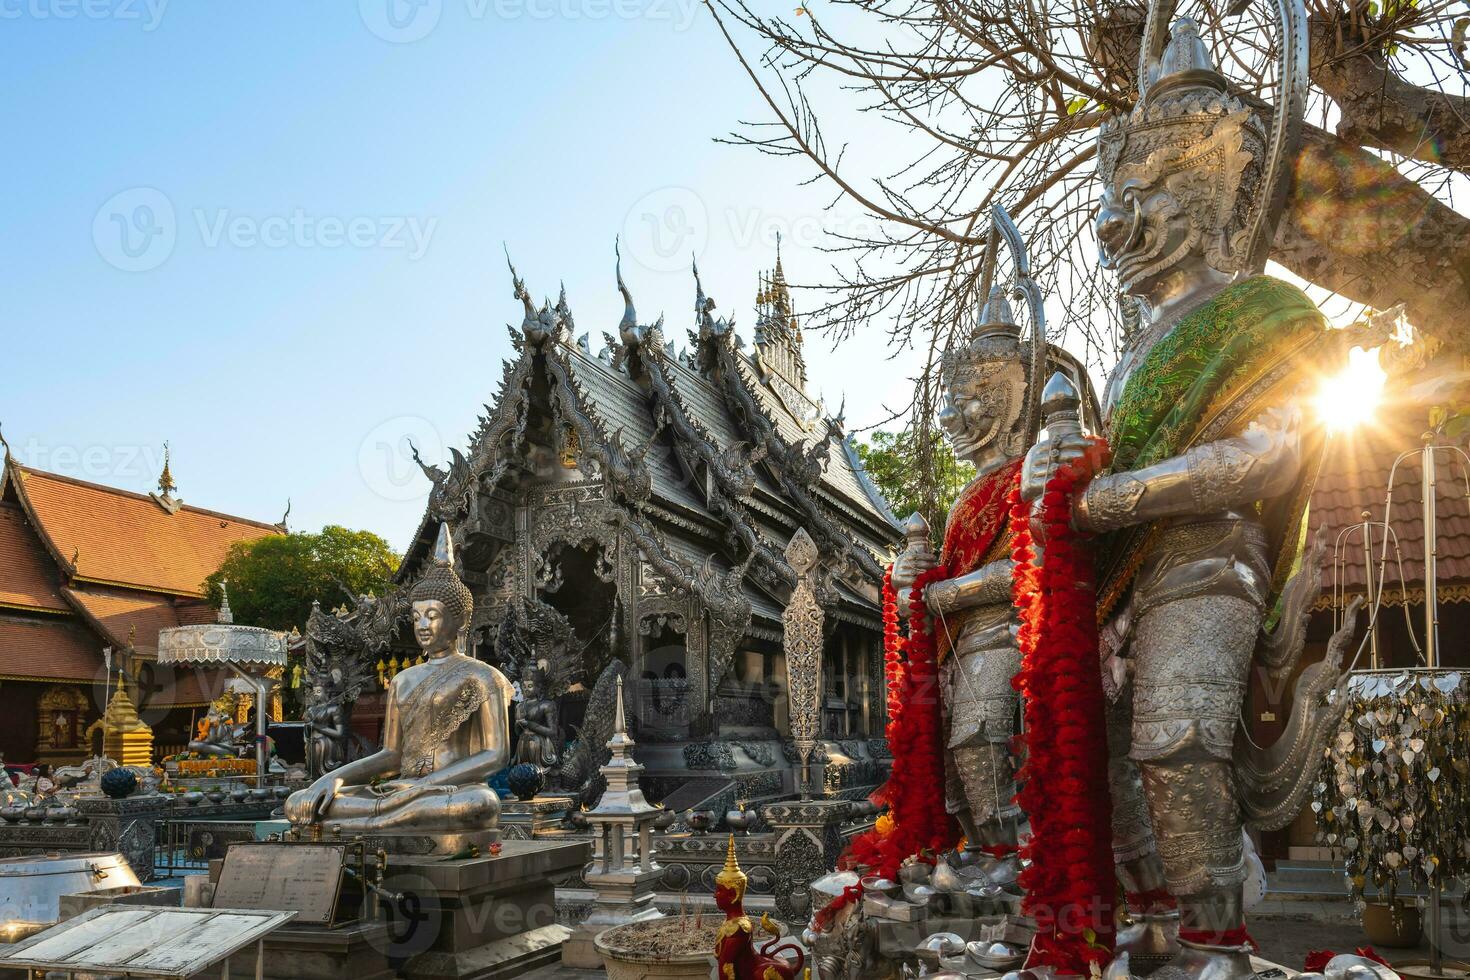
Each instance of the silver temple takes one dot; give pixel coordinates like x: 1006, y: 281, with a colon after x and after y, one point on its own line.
x: 627, y: 514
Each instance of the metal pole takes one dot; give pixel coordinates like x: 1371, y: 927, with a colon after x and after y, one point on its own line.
x: 262, y: 691
x: 1369, y: 599
x: 262, y: 752
x: 1431, y: 561
x: 1431, y: 660
x: 107, y: 686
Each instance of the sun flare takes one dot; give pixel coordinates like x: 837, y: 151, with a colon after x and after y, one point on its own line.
x: 1349, y: 399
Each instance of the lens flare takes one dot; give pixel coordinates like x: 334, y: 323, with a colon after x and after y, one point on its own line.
x: 1349, y: 399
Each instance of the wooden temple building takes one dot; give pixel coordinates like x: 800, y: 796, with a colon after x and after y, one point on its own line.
x: 646, y: 493
x: 85, y: 567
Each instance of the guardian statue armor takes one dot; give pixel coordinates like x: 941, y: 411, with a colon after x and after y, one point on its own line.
x: 1199, y: 516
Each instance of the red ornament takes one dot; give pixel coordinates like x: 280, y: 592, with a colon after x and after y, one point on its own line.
x: 735, y: 948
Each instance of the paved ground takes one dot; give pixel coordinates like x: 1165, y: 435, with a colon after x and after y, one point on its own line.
x: 1288, y: 936
x: 1286, y: 931
x: 1288, y: 941
x: 561, y: 973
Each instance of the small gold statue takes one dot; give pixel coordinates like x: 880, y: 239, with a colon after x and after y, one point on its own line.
x: 444, y: 732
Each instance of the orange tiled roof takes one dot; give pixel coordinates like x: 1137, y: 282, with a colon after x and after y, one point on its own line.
x: 105, y: 535
x: 27, y: 573
x: 114, y: 612
x: 1354, y: 478
x: 49, y: 650
x: 187, y: 685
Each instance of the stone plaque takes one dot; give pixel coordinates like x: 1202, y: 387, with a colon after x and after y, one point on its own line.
x: 301, y: 878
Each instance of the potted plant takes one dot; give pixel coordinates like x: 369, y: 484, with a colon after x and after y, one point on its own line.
x: 1395, y: 925
x: 677, y: 946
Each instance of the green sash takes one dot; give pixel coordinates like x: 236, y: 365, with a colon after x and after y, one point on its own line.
x: 1220, y: 367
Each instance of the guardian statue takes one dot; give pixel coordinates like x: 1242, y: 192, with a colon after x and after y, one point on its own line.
x: 1199, y: 515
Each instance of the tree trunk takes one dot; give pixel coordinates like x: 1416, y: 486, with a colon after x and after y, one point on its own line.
x: 1353, y: 224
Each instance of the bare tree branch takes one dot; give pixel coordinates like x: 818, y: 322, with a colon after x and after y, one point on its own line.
x: 1381, y: 109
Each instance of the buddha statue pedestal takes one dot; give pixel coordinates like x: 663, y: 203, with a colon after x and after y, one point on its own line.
x: 435, y: 844
x: 532, y: 819
x: 484, y: 917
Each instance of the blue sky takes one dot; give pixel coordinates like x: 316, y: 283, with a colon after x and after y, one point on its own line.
x: 271, y: 233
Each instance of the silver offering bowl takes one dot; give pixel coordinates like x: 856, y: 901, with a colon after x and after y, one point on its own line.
x: 739, y: 821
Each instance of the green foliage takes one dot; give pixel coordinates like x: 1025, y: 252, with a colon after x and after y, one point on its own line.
x: 892, y: 461
x: 274, y: 579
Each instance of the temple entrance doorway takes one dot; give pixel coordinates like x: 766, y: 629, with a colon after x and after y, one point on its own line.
x: 663, y: 690
x: 579, y: 589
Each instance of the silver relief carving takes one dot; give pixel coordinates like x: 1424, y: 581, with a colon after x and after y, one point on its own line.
x: 802, y: 644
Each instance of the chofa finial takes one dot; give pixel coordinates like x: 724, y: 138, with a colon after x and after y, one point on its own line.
x: 166, y: 484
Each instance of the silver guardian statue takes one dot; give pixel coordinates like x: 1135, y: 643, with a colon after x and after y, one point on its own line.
x: 989, y: 418
x: 1192, y: 540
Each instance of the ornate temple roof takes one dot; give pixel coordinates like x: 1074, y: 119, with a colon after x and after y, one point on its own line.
x: 714, y: 455
x: 105, y: 535
x: 28, y: 578
x: 84, y: 566
x: 49, y: 650
x: 842, y: 486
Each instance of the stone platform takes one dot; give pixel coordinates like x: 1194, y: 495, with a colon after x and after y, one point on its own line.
x: 531, y: 819
x: 481, y: 918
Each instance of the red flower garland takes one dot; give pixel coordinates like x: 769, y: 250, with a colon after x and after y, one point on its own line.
x: 1070, y: 883
x: 914, y: 792
x: 918, y: 823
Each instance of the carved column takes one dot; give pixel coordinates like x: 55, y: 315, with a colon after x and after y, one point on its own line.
x: 802, y: 641
x: 128, y: 826
x: 808, y: 843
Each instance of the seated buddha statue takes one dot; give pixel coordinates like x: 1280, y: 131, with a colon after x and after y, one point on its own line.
x: 444, y: 732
